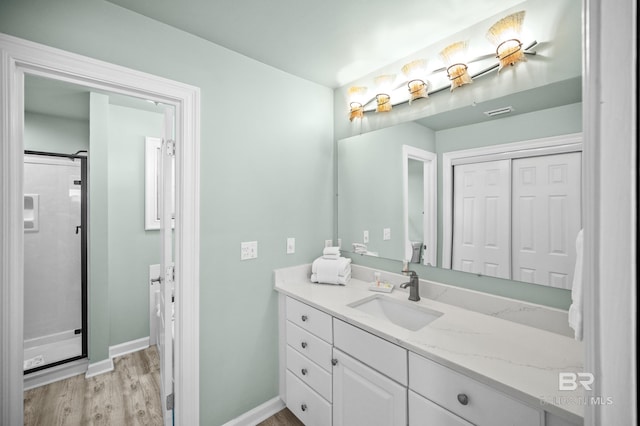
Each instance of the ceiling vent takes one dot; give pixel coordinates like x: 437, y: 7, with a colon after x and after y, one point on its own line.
x: 499, y: 111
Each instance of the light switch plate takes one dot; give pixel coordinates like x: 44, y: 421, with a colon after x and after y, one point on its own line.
x: 248, y: 250
x: 291, y: 245
x: 365, y: 237
x: 386, y: 234
x: 328, y: 243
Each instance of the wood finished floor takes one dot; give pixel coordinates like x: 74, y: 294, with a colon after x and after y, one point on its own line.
x: 282, y: 418
x: 129, y: 395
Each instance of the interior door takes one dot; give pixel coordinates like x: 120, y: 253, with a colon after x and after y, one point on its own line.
x: 481, y: 206
x: 165, y: 324
x: 546, y: 218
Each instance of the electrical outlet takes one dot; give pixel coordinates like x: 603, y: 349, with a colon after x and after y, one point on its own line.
x: 386, y: 234
x: 248, y: 250
x: 328, y: 243
x: 291, y: 245
x: 365, y: 237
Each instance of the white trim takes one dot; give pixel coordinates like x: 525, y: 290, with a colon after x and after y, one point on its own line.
x: 430, y: 224
x: 529, y: 148
x: 100, y: 367
x: 258, y: 414
x: 128, y: 347
x: 55, y: 374
x: 19, y: 56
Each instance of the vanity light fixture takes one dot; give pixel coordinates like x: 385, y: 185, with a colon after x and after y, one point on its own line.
x: 384, y: 85
x: 505, y: 34
x: 454, y: 58
x: 415, y: 71
x: 356, y: 96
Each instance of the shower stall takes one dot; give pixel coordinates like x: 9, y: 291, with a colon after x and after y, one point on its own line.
x: 55, y: 259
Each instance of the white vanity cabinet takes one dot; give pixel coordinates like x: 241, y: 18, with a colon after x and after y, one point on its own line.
x: 338, y: 374
x: 309, y: 338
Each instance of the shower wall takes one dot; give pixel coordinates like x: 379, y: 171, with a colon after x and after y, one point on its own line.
x: 52, y: 282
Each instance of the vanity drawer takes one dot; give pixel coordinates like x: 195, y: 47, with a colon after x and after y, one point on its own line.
x: 468, y: 398
x: 387, y: 358
x: 423, y: 412
x: 314, y: 348
x: 307, y: 405
x: 309, y: 372
x: 311, y: 319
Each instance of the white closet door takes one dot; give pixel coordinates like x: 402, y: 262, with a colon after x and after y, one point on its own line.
x: 482, y: 220
x: 546, y: 218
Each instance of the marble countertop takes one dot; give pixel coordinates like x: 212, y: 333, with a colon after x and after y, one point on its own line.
x: 519, y: 360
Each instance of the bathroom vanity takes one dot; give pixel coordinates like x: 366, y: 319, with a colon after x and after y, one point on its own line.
x: 350, y: 356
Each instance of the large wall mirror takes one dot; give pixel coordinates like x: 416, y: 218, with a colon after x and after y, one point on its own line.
x: 493, y: 196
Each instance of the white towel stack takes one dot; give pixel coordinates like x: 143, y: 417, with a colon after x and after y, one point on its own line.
x: 575, y: 310
x: 331, y: 268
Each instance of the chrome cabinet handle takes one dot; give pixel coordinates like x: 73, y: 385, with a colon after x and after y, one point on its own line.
x: 303, y: 407
x: 303, y: 344
x: 304, y: 318
x: 304, y: 371
x: 334, y: 361
x: 463, y: 399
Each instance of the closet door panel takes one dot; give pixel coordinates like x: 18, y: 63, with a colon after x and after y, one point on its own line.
x: 546, y: 218
x: 481, y: 231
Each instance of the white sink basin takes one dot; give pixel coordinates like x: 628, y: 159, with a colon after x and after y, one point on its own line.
x: 404, y: 314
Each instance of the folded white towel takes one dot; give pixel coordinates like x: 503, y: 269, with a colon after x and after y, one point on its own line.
x: 331, y: 251
x: 575, y: 310
x: 340, y: 280
x: 331, y: 271
x: 331, y: 256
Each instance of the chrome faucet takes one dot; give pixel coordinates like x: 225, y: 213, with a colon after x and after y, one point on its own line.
x: 413, y: 284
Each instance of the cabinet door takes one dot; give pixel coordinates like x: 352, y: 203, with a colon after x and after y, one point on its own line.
x: 362, y: 396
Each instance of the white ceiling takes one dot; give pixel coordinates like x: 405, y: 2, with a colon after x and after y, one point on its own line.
x: 330, y: 42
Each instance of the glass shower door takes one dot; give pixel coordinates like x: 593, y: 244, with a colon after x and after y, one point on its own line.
x: 54, y: 260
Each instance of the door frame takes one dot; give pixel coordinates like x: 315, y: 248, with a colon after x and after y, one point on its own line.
x: 430, y: 215
x: 528, y: 148
x: 17, y: 57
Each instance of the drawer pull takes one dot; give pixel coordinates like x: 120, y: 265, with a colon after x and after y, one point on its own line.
x: 334, y: 361
x: 304, y: 371
x: 463, y: 399
x: 304, y: 318
x: 303, y: 344
x: 303, y: 407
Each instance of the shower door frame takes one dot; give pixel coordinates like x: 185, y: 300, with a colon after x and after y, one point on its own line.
x: 19, y: 57
x: 84, y: 237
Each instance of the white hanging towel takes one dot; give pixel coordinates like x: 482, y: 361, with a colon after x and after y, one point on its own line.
x: 575, y: 310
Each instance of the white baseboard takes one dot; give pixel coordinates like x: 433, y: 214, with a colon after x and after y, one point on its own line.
x: 99, y: 367
x: 106, y: 365
x: 128, y: 347
x: 258, y: 414
x: 53, y: 374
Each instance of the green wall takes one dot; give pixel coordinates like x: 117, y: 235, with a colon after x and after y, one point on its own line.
x: 131, y: 248
x: 266, y: 174
x: 55, y: 134
x: 99, y: 334
x: 370, y: 186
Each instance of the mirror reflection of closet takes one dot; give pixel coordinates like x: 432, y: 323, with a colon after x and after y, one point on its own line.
x: 515, y: 218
